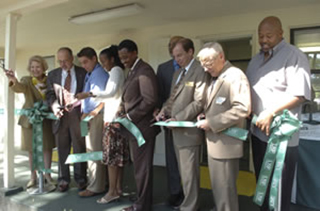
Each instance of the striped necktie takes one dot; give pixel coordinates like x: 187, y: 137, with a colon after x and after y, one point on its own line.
x: 174, y: 91
x: 67, y: 87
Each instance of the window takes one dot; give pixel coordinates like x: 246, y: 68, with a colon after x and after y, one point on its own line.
x: 308, y: 40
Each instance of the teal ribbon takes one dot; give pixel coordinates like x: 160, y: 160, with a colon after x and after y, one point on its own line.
x: 36, y: 115
x: 234, y: 132
x: 83, y: 157
x: 84, y: 125
x: 282, y: 128
x: 132, y: 128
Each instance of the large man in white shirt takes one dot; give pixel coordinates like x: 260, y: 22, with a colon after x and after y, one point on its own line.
x: 279, y: 76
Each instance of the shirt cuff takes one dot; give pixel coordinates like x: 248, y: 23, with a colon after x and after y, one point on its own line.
x: 94, y: 93
x: 128, y: 117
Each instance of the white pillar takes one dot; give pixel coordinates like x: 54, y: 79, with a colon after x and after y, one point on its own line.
x: 10, y: 58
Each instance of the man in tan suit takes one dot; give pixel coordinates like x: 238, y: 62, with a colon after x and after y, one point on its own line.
x: 228, y: 104
x: 184, y: 104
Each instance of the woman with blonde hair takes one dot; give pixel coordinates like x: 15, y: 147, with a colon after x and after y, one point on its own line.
x: 34, y: 88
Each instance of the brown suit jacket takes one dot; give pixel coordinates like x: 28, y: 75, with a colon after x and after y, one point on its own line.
x: 228, y: 105
x: 140, y: 96
x: 188, y: 103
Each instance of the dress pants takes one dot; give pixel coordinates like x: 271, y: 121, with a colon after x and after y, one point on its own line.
x: 69, y: 133
x: 173, y: 175
x: 258, y: 149
x: 97, y: 171
x: 223, y: 176
x: 188, y: 161
x: 142, y: 158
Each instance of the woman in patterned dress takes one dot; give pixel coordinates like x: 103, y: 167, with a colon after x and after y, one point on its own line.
x: 115, y: 147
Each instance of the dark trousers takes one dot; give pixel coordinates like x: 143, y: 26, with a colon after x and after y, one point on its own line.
x: 143, y: 172
x: 258, y: 149
x: 173, y: 175
x: 67, y: 135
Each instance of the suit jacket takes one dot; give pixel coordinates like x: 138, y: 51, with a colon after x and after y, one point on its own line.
x: 139, y: 98
x: 188, y: 103
x: 31, y: 95
x: 228, y: 105
x: 54, y: 90
x: 165, y: 74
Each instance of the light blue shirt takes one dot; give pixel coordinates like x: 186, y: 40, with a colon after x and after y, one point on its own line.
x: 95, y: 81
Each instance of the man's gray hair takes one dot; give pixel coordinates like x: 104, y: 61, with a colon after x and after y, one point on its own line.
x: 212, y: 49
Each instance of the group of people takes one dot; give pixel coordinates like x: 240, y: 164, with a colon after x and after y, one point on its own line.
x: 209, y: 91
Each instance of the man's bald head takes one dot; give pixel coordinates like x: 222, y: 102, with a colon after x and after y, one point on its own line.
x: 270, y: 33
x: 271, y: 21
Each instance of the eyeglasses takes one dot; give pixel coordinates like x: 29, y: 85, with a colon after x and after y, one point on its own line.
x: 208, y: 62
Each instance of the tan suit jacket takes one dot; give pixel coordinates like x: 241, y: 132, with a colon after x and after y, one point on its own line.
x: 32, y: 95
x: 228, y: 105
x: 188, y: 103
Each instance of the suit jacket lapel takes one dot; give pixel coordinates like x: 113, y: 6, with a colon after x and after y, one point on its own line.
x: 35, y: 90
x: 131, y: 76
x: 188, y: 75
x: 215, y: 90
x: 218, y: 84
x: 58, y: 82
x: 78, y: 78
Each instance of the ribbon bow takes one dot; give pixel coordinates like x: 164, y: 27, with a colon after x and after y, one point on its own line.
x: 282, y: 128
x: 36, y: 115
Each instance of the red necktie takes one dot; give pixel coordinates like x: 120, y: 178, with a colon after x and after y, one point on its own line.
x: 67, y: 87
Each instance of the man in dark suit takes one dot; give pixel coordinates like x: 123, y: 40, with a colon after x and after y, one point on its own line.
x: 165, y: 74
x: 139, y: 99
x: 184, y: 104
x: 63, y: 83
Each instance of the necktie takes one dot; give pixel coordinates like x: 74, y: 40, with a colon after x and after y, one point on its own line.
x: 174, y: 91
x: 67, y: 87
x: 210, y: 88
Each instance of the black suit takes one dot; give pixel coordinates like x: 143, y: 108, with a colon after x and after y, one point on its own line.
x: 165, y: 74
x: 67, y: 128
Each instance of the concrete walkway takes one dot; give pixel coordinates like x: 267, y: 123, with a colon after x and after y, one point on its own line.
x: 70, y: 201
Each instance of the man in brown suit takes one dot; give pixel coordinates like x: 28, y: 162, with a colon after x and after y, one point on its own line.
x: 67, y: 128
x: 139, y: 99
x: 184, y: 104
x: 228, y: 104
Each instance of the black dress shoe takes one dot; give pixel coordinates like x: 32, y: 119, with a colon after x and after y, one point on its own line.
x: 131, y: 208
x: 175, y: 200
x: 63, y: 187
x: 82, y: 186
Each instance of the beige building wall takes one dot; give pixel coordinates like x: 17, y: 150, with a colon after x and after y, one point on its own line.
x: 150, y: 39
